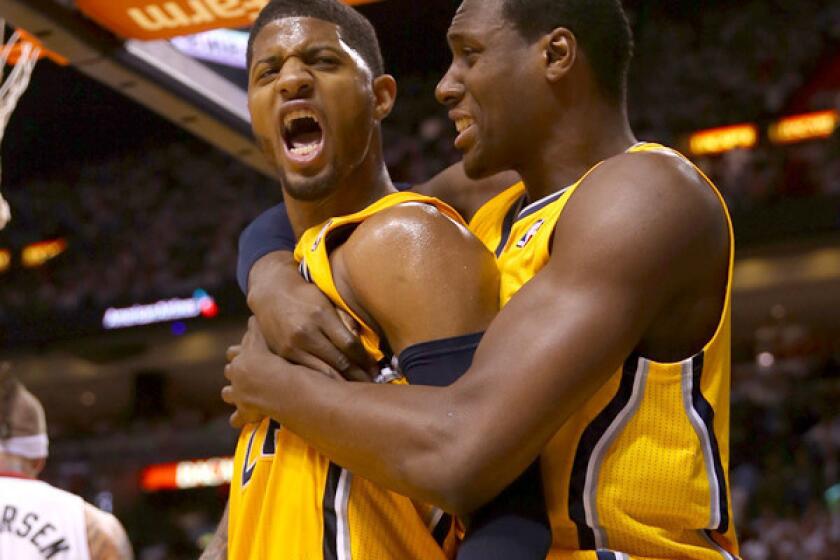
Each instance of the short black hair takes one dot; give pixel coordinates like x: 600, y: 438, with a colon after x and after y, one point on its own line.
x: 355, y: 28
x: 600, y: 27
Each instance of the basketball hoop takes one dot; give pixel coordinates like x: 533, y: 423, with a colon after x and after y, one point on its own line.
x: 23, y: 54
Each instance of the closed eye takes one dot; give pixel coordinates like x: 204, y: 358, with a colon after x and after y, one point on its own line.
x: 326, y: 61
x: 265, y: 72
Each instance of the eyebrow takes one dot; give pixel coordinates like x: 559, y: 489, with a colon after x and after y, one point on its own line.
x: 306, y: 50
x: 454, y: 36
x: 265, y: 60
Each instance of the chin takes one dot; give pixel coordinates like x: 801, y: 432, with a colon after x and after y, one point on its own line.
x: 478, y: 167
x: 309, y: 189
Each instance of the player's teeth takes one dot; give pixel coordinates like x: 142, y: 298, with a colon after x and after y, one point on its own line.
x: 298, y: 114
x: 304, y: 150
x: 463, y: 123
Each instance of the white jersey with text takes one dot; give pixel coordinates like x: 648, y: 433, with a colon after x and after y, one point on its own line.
x: 39, y: 521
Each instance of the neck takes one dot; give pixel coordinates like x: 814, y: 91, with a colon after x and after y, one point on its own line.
x: 578, y: 139
x: 365, y: 185
x: 14, y: 464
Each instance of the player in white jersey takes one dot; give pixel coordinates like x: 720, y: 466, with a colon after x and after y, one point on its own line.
x: 37, y: 520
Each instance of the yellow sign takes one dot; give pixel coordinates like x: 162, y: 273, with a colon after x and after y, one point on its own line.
x: 5, y: 260
x: 723, y: 139
x: 800, y: 128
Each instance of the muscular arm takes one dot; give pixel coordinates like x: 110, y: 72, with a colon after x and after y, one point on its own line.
x: 615, y: 267
x: 218, y: 547
x: 106, y: 537
x: 418, y: 276
x: 298, y: 322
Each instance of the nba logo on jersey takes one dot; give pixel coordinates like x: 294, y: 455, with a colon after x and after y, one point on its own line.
x: 321, y: 235
x: 529, y: 235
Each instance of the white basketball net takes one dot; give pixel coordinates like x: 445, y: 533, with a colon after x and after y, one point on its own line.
x: 11, y: 89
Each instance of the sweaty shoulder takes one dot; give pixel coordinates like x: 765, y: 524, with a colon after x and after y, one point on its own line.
x: 650, y: 222
x: 417, y: 275
x: 653, y: 192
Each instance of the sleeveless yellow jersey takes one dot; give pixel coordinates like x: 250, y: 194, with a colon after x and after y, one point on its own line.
x: 289, y: 502
x: 641, y: 470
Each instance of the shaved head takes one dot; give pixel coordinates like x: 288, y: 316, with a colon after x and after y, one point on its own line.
x: 23, y: 427
x: 21, y: 413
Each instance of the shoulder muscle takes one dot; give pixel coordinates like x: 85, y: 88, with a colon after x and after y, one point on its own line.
x: 419, y: 275
x: 647, y: 230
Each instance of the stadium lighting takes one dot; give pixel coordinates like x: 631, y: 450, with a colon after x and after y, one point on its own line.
x: 201, y: 304
x: 723, y: 139
x: 5, y: 260
x: 187, y: 474
x: 799, y: 128
x: 37, y: 254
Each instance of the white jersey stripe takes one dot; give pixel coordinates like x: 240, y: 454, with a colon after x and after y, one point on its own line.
x: 342, y: 497
x: 716, y: 546
x: 590, y: 492
x: 705, y: 442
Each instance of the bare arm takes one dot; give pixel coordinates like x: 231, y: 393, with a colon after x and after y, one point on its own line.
x: 610, y: 276
x: 298, y: 321
x: 106, y: 537
x: 418, y: 276
x: 217, y: 549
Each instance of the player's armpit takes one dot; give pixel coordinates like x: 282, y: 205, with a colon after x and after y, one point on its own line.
x: 106, y: 537
x: 418, y: 275
x: 218, y: 547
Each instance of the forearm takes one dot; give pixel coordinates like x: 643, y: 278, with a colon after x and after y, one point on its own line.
x: 274, y: 269
x: 485, y: 429
x: 217, y: 549
x: 432, y: 444
x: 407, y: 450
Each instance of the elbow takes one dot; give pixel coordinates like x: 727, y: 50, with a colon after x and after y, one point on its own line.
x: 464, y: 491
x: 454, y: 478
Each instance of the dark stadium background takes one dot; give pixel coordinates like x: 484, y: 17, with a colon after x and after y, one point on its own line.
x: 149, y: 212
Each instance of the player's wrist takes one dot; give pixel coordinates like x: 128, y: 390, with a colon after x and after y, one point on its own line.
x: 277, y: 269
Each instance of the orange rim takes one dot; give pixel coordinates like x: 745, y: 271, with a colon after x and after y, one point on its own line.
x: 26, y: 37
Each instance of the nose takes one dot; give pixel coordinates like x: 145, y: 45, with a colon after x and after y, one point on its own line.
x: 450, y: 88
x: 295, y: 82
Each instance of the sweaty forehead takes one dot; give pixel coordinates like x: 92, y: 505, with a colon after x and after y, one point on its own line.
x: 294, y: 33
x: 478, y: 18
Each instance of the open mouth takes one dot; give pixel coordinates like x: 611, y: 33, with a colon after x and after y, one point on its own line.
x: 302, y: 134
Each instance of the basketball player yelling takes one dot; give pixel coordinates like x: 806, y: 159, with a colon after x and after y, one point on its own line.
x: 403, y: 265
x: 610, y: 357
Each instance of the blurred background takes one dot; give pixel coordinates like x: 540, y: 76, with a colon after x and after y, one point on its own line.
x: 130, y: 173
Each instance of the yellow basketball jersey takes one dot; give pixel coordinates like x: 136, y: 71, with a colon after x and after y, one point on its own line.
x: 641, y: 470
x: 493, y: 221
x: 289, y: 502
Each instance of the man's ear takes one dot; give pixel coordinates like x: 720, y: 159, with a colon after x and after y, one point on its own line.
x: 385, y: 91
x: 560, y: 52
